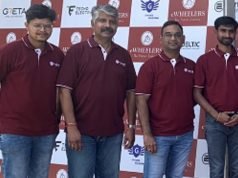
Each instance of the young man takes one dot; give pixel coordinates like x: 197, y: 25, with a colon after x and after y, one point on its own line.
x: 216, y: 86
x: 96, y: 78
x: 165, y: 106
x: 28, y: 115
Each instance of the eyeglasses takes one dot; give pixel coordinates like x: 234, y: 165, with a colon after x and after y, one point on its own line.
x: 40, y: 26
x: 175, y: 35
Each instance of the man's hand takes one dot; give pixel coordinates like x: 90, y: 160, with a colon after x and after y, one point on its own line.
x: 74, y: 138
x: 150, y: 144
x: 129, y: 138
x: 223, y: 117
x: 233, y: 120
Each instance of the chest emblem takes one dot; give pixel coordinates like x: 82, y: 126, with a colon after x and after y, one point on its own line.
x: 120, y: 63
x: 54, y: 64
x: 188, y: 70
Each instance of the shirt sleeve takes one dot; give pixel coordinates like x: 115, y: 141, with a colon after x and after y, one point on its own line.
x: 200, y: 77
x: 5, y: 62
x: 68, y: 72
x: 144, y: 83
x: 131, y: 75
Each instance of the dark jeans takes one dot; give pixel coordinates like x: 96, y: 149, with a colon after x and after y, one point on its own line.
x: 170, y: 158
x: 25, y: 156
x: 99, y: 156
x: 218, y: 137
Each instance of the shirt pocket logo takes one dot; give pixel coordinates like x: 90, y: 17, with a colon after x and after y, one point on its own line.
x: 190, y: 71
x: 54, y: 64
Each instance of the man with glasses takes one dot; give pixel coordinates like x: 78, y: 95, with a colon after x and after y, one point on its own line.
x: 29, y: 112
x: 165, y: 106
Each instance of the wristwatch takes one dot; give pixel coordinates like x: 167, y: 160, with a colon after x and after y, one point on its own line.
x: 131, y: 126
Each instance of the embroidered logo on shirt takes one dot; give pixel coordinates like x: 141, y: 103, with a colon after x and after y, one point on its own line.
x: 120, y: 63
x: 188, y: 70
x: 54, y: 64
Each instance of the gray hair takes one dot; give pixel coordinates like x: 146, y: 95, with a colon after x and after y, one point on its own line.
x: 107, y: 9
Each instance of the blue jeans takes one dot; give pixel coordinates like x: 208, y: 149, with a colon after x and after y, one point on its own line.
x: 100, y: 156
x: 25, y: 156
x: 171, y: 156
x: 218, y: 137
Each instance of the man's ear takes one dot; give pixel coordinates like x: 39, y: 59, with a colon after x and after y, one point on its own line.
x: 215, y: 31
x: 27, y: 27
x: 184, y: 38
x: 26, y: 24
x: 160, y: 41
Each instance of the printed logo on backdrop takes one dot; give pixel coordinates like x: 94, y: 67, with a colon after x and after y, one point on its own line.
x: 143, y: 43
x: 147, y: 38
x: 151, y: 13
x: 47, y: 3
x: 11, y: 37
x: 218, y: 6
x: 76, y: 37
x: 62, y: 174
x: 188, y: 4
x: 14, y: 12
x: 114, y: 3
x: 59, y: 146
x: 205, y: 159
x: 194, y: 45
x: 69, y: 36
x: 77, y: 13
x: 59, y: 155
x: 150, y: 6
x: 189, y: 12
x: 137, y: 152
x: 78, y: 10
x: 191, y: 45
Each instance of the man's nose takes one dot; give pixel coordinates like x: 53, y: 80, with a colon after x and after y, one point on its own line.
x: 107, y: 23
x: 227, y: 34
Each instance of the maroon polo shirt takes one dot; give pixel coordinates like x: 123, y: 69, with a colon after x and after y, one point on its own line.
x: 219, y: 79
x: 99, y: 86
x: 170, y: 89
x: 28, y: 88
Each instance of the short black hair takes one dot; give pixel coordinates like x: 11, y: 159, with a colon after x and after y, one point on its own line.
x: 226, y: 21
x: 171, y: 22
x: 40, y: 11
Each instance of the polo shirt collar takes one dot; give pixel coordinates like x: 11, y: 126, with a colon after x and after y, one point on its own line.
x: 167, y: 59
x: 92, y: 43
x: 221, y: 53
x: 27, y: 43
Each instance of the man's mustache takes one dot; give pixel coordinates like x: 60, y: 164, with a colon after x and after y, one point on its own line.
x: 227, y: 38
x: 107, y: 30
